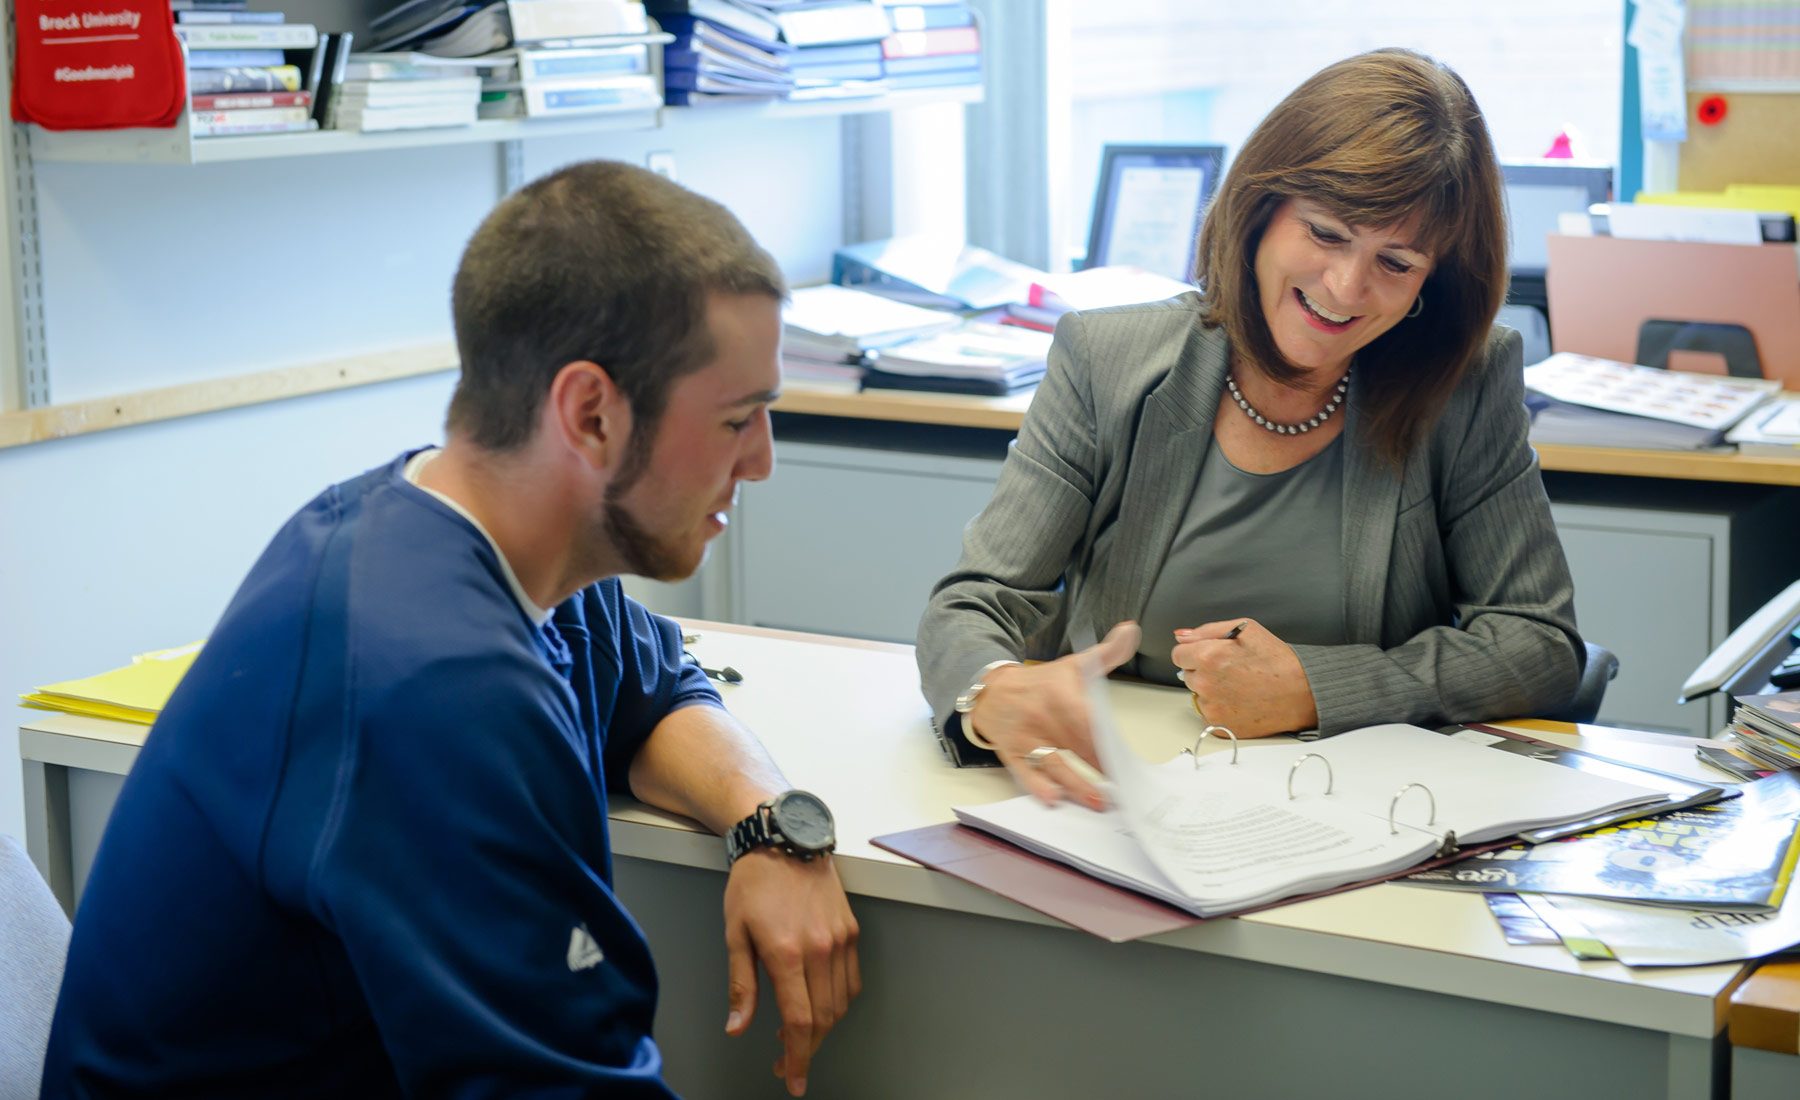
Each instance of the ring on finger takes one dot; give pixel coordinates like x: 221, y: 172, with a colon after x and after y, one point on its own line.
x: 1195, y: 699
x: 1036, y: 757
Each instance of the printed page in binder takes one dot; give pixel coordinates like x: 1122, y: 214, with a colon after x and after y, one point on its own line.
x: 1212, y: 836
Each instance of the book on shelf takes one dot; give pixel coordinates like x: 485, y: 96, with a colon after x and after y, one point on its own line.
x: 1603, y: 403
x: 808, y: 90
x: 333, y: 62
x: 920, y: 17
x: 233, y: 101
x: 504, y: 23
x: 365, y: 65
x: 378, y: 93
x: 248, y: 36
x: 1737, y: 853
x: 1253, y: 824
x: 830, y: 24
x: 251, y: 120
x: 233, y: 16
x: 933, y: 271
x: 201, y: 60
x: 810, y: 69
x: 932, y: 43
x: 562, y: 98
x: 951, y: 78
x: 528, y: 64
x: 743, y: 18
x: 258, y: 78
x: 349, y: 115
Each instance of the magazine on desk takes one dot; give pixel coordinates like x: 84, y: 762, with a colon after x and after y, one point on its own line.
x: 1737, y: 853
x: 1212, y: 836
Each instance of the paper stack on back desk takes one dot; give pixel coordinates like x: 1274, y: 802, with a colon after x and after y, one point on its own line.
x: 1602, y: 403
x: 136, y: 693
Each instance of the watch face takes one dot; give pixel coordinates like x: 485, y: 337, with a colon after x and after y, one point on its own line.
x: 804, y: 821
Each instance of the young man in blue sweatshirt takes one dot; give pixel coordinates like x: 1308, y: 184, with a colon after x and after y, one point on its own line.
x: 364, y: 851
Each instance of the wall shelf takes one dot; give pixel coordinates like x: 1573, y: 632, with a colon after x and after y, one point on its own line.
x: 177, y: 145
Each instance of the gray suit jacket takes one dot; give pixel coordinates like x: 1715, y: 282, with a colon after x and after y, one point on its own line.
x: 1457, y: 596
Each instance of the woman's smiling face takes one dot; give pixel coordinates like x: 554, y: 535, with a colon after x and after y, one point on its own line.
x: 1329, y: 288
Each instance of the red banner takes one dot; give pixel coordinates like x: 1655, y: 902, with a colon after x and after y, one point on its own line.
x: 97, y: 64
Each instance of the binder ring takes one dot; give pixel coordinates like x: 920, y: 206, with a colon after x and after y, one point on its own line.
x: 1207, y: 732
x: 1330, y: 779
x: 1432, y: 820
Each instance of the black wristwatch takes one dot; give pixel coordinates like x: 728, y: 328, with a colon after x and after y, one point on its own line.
x: 797, y: 822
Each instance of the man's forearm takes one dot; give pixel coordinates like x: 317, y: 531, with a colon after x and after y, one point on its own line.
x: 703, y: 763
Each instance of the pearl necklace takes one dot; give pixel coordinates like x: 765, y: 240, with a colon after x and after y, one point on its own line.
x: 1307, y: 425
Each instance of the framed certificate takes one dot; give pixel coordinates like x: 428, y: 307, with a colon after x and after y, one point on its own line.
x: 1148, y: 205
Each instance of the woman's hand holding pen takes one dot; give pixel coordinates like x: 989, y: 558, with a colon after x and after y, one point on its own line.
x: 1245, y: 678
x: 1027, y: 712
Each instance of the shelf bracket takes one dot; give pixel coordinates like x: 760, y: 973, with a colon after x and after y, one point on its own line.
x: 512, y: 166
x: 30, y: 386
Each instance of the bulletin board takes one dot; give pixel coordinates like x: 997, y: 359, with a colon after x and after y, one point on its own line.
x: 1745, y: 53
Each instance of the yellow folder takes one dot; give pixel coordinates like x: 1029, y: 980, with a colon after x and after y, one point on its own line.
x: 135, y: 693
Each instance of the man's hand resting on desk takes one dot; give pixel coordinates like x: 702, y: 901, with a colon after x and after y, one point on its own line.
x: 1250, y: 682
x: 1024, y: 708
x: 792, y: 917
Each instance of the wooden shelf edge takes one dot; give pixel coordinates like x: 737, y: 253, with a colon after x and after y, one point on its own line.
x: 28, y: 426
x: 1681, y: 465
x: 906, y: 407
x: 1765, y: 1009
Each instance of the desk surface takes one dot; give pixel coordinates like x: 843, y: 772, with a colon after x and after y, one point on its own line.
x: 846, y: 719
x: 1006, y: 413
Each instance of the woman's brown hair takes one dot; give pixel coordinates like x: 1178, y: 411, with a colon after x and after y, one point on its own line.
x: 1374, y: 139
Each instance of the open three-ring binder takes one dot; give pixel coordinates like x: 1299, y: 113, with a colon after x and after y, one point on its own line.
x: 1239, y: 829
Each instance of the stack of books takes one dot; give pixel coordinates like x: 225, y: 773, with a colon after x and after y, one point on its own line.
x: 1764, y: 732
x: 828, y: 331
x: 547, y: 81
x: 722, y: 52
x: 382, y: 92
x: 1603, y: 403
x: 932, y: 44
x: 242, y: 78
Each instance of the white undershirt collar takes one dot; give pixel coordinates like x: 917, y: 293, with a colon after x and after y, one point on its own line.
x: 416, y: 466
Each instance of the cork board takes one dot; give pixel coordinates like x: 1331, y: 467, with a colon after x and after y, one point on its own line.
x: 1758, y: 142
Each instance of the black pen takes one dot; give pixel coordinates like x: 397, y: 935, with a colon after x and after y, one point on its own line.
x: 1236, y: 630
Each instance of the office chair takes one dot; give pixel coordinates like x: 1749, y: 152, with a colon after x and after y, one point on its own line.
x: 1602, y: 666
x: 34, y: 937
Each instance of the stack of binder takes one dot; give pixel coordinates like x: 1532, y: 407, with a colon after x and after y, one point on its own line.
x: 722, y: 51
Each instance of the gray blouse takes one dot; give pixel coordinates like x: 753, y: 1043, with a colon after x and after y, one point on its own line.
x: 1261, y: 546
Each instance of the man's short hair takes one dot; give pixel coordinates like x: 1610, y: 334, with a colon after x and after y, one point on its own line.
x: 600, y: 261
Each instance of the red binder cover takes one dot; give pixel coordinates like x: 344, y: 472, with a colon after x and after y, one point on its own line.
x: 1079, y: 900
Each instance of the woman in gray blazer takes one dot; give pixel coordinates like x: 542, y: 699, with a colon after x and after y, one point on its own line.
x: 1309, y: 480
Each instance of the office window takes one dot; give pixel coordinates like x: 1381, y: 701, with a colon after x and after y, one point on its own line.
x: 1141, y: 71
